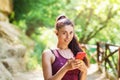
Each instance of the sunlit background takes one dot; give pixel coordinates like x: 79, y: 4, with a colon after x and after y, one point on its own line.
x: 95, y: 21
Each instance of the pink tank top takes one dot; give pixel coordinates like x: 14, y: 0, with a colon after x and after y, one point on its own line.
x: 59, y: 62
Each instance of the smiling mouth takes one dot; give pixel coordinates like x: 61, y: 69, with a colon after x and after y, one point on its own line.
x: 67, y: 40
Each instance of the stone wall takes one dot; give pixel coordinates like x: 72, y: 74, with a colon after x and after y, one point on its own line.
x: 12, y: 48
x: 6, y: 8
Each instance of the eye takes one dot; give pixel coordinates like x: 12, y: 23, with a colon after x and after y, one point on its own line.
x: 71, y: 32
x: 64, y: 33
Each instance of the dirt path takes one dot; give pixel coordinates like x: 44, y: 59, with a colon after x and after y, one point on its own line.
x: 31, y: 75
x: 93, y: 74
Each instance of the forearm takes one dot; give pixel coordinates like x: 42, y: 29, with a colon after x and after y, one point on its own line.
x: 83, y: 75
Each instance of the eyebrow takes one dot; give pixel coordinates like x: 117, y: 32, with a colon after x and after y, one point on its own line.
x: 66, y: 31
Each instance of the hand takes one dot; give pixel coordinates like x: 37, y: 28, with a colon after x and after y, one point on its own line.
x: 82, y: 66
x: 72, y: 64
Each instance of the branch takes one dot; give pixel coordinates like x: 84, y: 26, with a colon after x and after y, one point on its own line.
x: 77, y: 16
x: 88, y: 19
x: 92, y: 34
x: 87, y: 23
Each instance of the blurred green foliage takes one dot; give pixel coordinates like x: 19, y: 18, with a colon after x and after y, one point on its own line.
x: 95, y: 20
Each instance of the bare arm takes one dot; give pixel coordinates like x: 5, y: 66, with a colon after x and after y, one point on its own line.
x: 83, y: 69
x: 47, y: 69
x: 83, y: 76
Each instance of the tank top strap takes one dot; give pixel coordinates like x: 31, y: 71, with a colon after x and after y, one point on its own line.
x: 55, y: 52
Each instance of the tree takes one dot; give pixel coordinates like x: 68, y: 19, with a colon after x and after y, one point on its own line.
x: 94, y: 18
x: 36, y: 13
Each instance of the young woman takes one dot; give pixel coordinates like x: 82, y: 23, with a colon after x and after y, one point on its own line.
x: 60, y: 63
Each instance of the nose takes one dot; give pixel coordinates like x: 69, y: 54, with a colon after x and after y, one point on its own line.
x: 68, y: 36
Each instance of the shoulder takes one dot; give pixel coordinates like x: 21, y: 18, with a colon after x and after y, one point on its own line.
x: 47, y: 56
x: 47, y: 53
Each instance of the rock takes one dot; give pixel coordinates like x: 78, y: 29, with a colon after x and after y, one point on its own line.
x: 20, y: 50
x: 12, y: 64
x: 13, y: 49
x: 6, y: 6
x: 4, y: 18
x: 14, y: 45
x: 7, y: 50
x: 4, y: 47
x: 8, y: 32
x: 4, y: 73
x: 15, y: 36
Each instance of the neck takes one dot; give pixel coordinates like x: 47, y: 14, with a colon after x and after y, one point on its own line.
x: 60, y: 46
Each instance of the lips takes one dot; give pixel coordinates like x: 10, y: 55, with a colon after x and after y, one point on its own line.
x: 66, y: 40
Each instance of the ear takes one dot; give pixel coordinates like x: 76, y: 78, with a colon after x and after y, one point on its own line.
x: 56, y: 32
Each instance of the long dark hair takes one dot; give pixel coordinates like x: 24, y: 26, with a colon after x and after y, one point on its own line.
x: 75, y: 48
x: 74, y: 44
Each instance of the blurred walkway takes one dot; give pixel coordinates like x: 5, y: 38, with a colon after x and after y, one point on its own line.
x: 31, y: 75
x: 93, y: 74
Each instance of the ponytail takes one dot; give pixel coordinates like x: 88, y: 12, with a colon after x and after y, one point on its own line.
x: 75, y: 48
x: 61, y: 17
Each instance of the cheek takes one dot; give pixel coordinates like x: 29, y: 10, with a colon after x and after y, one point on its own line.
x: 71, y: 37
x: 60, y: 37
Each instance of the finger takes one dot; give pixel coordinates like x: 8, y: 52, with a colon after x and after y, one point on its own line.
x: 70, y: 60
x: 78, y: 62
x: 76, y: 65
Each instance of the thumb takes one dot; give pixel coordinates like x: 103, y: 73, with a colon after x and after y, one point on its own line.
x: 71, y: 59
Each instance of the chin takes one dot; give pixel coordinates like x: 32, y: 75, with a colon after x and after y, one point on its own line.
x: 67, y: 43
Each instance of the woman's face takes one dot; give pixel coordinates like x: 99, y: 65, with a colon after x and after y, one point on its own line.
x: 65, y: 34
